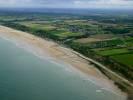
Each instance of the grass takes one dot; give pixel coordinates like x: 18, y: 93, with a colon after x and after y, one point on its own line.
x: 38, y: 26
x: 106, y: 43
x: 129, y: 41
x: 96, y: 38
x: 64, y: 34
x: 87, y: 40
x: 110, y: 52
x: 126, y: 59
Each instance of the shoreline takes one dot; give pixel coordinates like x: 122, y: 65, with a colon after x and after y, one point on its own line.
x: 44, y: 48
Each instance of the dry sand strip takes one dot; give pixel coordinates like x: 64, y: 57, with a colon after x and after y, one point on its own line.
x: 44, y: 48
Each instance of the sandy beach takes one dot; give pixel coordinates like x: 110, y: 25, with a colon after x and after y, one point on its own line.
x: 50, y: 50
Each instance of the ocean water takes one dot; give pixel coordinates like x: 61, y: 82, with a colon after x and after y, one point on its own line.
x: 24, y: 76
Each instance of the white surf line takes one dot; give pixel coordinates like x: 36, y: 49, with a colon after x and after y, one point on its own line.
x: 101, y: 87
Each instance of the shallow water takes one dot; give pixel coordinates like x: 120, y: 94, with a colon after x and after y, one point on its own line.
x: 24, y: 76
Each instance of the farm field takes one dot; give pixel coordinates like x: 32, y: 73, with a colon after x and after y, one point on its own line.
x: 35, y: 25
x: 126, y: 59
x: 110, y: 52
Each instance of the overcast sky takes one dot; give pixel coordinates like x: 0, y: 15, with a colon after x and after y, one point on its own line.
x: 68, y: 3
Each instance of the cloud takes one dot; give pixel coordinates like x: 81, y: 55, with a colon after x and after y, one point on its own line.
x: 14, y: 2
x: 68, y: 3
x: 104, y: 3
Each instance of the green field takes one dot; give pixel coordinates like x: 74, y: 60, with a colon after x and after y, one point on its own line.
x: 110, y: 52
x: 41, y: 26
x: 107, y: 43
x: 126, y: 59
x: 65, y: 34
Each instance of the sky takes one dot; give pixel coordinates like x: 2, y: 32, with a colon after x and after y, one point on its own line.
x: 68, y: 3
